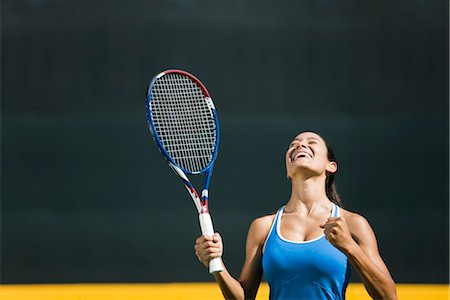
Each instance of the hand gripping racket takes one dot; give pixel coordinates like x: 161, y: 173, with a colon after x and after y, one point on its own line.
x: 183, y: 122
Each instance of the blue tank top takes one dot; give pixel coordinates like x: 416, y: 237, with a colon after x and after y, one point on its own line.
x: 313, y: 269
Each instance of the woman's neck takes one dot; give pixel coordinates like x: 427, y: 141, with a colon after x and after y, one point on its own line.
x: 308, y: 195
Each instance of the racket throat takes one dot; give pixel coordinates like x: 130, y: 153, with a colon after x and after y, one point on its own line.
x: 204, y: 207
x: 204, y: 202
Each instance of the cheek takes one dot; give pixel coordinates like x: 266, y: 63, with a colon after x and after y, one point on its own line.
x: 321, y: 160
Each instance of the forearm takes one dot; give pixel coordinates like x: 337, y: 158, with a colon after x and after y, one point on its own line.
x: 378, y: 284
x: 231, y: 288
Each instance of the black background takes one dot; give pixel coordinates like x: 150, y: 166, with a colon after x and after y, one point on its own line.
x: 85, y: 195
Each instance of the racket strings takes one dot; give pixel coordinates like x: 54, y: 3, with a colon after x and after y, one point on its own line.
x: 184, y: 121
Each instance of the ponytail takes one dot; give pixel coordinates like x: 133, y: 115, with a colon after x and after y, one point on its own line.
x: 330, y: 186
x: 331, y: 190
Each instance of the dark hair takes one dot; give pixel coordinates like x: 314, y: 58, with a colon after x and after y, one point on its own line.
x: 330, y: 186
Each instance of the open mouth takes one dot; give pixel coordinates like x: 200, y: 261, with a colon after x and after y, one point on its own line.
x: 301, y: 154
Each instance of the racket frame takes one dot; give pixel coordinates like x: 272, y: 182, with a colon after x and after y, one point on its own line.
x: 201, y: 203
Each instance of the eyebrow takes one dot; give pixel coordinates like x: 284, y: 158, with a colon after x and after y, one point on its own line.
x: 308, y: 138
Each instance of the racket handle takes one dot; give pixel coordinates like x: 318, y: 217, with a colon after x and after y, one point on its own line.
x: 215, y: 264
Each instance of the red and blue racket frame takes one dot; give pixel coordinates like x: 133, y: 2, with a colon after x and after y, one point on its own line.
x: 200, y: 202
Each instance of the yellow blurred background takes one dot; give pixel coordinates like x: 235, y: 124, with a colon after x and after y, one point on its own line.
x: 185, y: 291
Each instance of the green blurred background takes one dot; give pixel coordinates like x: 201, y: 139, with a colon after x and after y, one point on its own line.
x: 85, y: 195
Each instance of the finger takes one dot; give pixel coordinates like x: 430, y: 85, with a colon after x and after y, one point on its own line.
x: 209, y: 246
x: 212, y: 244
x: 213, y: 250
x: 207, y: 237
x: 328, y: 226
x: 332, y: 220
x: 330, y: 237
x: 216, y: 237
x: 199, y: 245
x: 202, y: 239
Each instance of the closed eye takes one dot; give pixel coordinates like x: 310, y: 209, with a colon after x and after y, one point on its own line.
x: 292, y: 145
x: 311, y: 141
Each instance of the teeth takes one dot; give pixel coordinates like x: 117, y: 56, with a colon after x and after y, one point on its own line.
x: 294, y: 156
x: 303, y: 154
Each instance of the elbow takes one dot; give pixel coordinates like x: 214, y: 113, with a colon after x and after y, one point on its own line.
x: 387, y: 291
x: 392, y: 293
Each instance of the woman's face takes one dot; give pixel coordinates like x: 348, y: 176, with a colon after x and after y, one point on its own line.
x: 307, y: 154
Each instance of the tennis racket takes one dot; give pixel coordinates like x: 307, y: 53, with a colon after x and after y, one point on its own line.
x: 183, y: 122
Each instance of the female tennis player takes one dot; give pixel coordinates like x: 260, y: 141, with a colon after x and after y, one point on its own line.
x: 305, y: 249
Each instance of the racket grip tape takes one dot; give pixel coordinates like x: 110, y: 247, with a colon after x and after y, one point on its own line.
x: 215, y: 264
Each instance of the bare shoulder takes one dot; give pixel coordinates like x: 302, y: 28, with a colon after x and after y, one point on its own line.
x: 358, y: 225
x: 260, y: 227
x: 360, y: 229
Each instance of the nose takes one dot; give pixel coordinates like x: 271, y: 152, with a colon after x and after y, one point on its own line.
x: 300, y: 145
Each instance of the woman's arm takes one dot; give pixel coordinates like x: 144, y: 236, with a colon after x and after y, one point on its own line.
x: 207, y: 248
x: 247, y: 285
x: 353, y: 235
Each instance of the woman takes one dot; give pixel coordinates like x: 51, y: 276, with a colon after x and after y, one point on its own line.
x: 305, y: 250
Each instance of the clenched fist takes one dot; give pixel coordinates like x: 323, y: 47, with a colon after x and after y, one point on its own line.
x: 337, y: 233
x: 207, y: 248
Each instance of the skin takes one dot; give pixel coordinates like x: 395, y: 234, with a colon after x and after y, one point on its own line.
x: 306, y: 216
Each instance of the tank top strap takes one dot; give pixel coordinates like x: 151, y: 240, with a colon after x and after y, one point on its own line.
x: 335, y: 211
x: 274, y: 225
x: 277, y: 217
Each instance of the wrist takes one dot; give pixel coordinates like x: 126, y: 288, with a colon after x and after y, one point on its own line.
x: 351, y: 249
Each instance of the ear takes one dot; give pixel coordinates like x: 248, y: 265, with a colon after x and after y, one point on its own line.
x: 332, y: 167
